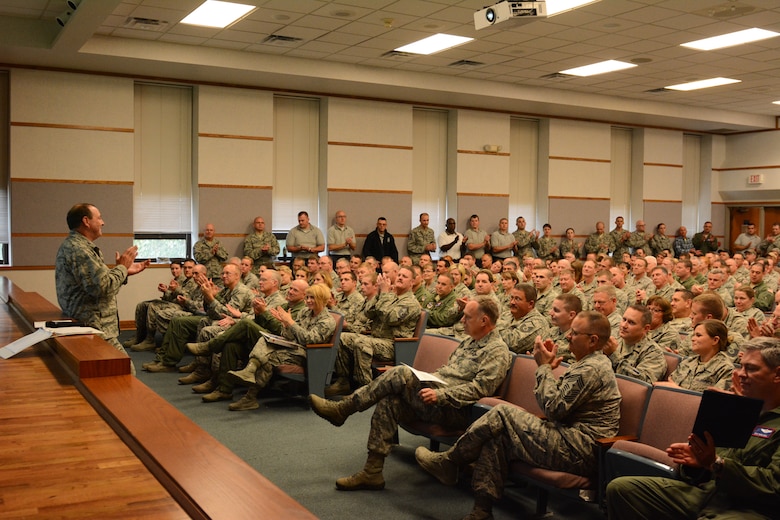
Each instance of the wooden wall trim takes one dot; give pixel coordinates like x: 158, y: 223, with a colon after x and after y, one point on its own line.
x: 74, y: 127
x: 483, y: 152
x: 231, y: 136
x: 465, y: 194
x: 564, y: 197
x: 581, y: 159
x: 353, y: 190
x: 63, y: 235
x: 371, y: 145
x: 742, y: 168
x: 235, y: 186
x: 665, y: 165
x: 73, y: 181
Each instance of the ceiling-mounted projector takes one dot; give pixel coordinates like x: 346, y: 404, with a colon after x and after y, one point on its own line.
x: 517, y: 12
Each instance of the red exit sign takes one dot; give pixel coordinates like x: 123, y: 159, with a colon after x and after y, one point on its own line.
x: 755, y: 179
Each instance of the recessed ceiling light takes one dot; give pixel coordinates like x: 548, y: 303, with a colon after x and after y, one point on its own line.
x: 214, y: 13
x: 433, y: 44
x: 705, y: 83
x: 598, y: 68
x: 561, y: 6
x: 731, y: 39
x: 776, y: 102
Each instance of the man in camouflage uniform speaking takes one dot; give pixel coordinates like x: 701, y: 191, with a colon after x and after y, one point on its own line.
x: 580, y: 407
x: 474, y: 370
x: 86, y: 287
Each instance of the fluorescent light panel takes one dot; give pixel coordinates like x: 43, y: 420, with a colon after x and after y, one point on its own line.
x: 433, y: 44
x: 731, y: 39
x: 561, y: 6
x: 598, y: 68
x: 705, y: 83
x: 214, y: 13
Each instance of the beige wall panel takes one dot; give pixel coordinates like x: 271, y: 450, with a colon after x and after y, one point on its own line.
x: 476, y: 129
x: 758, y: 149
x: 490, y: 211
x: 481, y: 173
x: 239, y: 162
x: 662, y: 183
x: 65, y: 154
x: 663, y: 146
x: 578, y: 139
x: 720, y: 221
x: 235, y: 111
x: 42, y: 251
x: 232, y: 211
x: 579, y: 178
x: 41, y: 207
x: 71, y: 99
x: 670, y: 213
x: 363, y: 208
x: 580, y: 214
x: 370, y: 122
x: 369, y: 168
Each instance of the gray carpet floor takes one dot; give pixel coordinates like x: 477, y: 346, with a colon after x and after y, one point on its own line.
x: 303, y: 455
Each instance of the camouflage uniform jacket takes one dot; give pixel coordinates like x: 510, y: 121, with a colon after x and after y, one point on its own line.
x: 558, y: 337
x: 239, y: 298
x: 619, y: 243
x: 350, y: 305
x: 204, y: 255
x: 253, y: 248
x: 443, y: 312
x: 586, y: 397
x: 596, y: 243
x: 520, y: 334
x: 660, y: 243
x: 193, y: 296
x: 310, y: 328
x: 475, y: 370
x: 266, y: 320
x: 692, y: 374
x: 86, y: 287
x: 525, y: 242
x: 666, y: 336
x: 394, y: 316
x: 546, y: 248
x: 645, y: 360
x: 545, y: 300
x: 418, y: 239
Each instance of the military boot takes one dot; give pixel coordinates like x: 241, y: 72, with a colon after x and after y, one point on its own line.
x: 339, y: 387
x: 335, y: 412
x: 247, y: 375
x: 201, y: 374
x: 247, y: 402
x: 145, y: 345
x: 437, y: 464
x: 483, y: 509
x: 370, y: 477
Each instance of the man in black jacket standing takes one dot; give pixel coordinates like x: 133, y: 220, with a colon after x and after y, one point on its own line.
x: 380, y: 243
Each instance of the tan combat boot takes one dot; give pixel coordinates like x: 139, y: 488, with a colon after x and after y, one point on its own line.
x: 335, y: 412
x: 438, y: 465
x: 339, y: 387
x: 247, y: 375
x: 201, y: 374
x: 370, y: 477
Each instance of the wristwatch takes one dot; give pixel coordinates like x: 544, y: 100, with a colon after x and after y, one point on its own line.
x: 717, y: 466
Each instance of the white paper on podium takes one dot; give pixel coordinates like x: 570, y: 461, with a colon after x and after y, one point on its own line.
x: 67, y: 331
x: 22, y: 343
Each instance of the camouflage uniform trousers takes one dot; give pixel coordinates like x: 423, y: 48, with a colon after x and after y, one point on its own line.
x: 357, y: 351
x: 230, y: 351
x: 160, y: 315
x: 270, y: 355
x: 508, y: 433
x: 183, y: 329
x: 397, y: 399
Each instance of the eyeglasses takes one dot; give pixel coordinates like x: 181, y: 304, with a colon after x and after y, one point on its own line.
x: 575, y: 333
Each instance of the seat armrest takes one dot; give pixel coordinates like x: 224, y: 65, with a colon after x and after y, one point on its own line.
x: 406, y: 340
x: 318, y: 345
x: 606, y: 442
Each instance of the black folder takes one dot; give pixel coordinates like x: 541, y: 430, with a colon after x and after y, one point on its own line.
x: 730, y: 418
